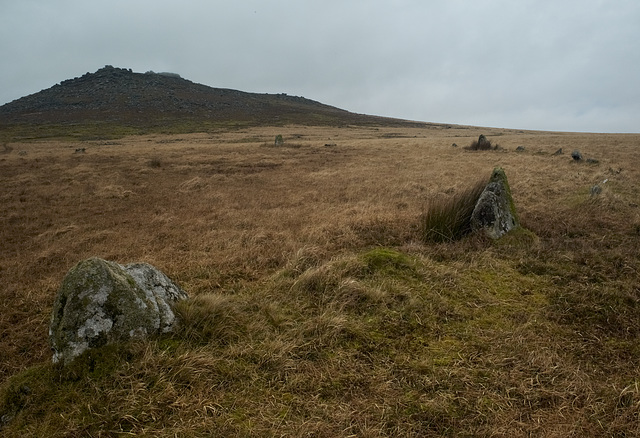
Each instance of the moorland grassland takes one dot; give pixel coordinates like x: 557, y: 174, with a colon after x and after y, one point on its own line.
x: 316, y: 308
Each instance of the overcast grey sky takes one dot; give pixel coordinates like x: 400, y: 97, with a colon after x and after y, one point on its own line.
x: 567, y: 65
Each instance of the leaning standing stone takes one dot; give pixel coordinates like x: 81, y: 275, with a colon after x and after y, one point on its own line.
x: 101, y: 302
x: 495, y: 212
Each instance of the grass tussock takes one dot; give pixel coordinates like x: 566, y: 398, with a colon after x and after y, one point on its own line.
x: 448, y: 219
x: 315, y: 308
x: 210, y: 319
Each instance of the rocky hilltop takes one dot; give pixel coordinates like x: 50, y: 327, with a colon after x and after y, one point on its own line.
x: 120, y: 96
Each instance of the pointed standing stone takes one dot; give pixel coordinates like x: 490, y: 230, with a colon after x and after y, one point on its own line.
x: 483, y: 143
x: 495, y: 212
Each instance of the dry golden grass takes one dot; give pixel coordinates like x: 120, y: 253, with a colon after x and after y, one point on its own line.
x: 300, y: 323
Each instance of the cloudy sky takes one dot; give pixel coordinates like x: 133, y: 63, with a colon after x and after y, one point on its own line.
x: 566, y: 65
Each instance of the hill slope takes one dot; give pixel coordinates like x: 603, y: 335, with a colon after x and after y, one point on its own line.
x: 117, y: 96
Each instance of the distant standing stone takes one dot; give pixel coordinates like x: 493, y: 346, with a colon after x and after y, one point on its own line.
x: 576, y: 155
x: 495, y: 212
x: 483, y: 143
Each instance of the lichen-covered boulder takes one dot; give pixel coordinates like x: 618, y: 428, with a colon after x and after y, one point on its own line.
x: 495, y: 212
x: 159, y: 289
x: 101, y: 302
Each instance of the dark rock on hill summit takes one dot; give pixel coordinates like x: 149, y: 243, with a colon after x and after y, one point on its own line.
x: 119, y: 96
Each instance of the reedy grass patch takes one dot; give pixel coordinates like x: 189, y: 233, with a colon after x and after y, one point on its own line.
x: 447, y: 219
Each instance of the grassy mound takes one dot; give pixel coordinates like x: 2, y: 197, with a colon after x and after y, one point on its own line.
x: 377, y: 343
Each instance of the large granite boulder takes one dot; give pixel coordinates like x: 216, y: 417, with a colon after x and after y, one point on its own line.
x: 101, y: 302
x: 495, y: 212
